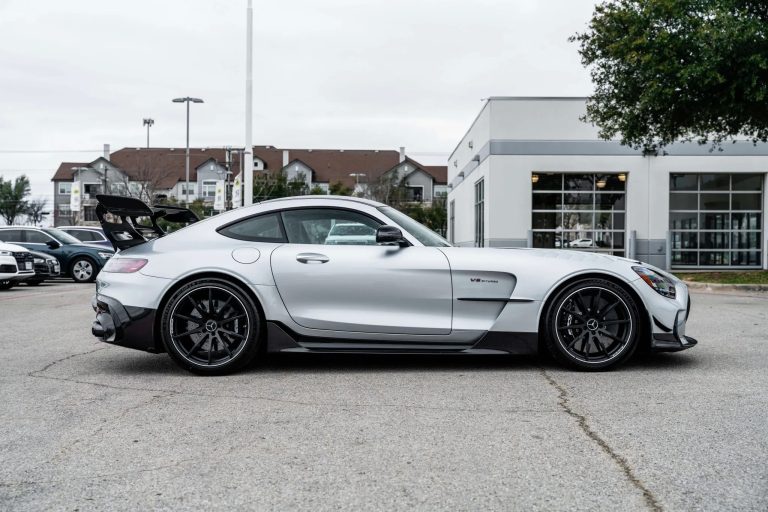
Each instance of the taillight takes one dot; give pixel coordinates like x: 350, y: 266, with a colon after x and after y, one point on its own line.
x: 124, y: 265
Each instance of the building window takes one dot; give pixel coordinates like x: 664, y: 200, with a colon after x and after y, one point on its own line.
x: 452, y: 220
x: 209, y: 189
x: 579, y: 211
x: 90, y: 190
x: 480, y: 213
x: 414, y: 194
x: 715, y: 220
x: 191, y: 187
x: 65, y: 187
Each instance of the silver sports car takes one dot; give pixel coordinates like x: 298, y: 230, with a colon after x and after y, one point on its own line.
x: 219, y: 293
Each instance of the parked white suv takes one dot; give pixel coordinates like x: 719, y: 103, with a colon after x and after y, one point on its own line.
x: 16, y: 264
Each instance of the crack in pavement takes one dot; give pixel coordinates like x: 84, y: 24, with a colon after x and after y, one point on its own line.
x: 100, y: 475
x: 650, y: 499
x: 34, y: 373
x: 39, y: 374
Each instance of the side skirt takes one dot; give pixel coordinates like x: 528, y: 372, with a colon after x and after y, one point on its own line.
x: 282, y: 339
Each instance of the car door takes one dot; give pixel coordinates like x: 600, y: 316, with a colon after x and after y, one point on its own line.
x: 38, y: 241
x: 368, y: 288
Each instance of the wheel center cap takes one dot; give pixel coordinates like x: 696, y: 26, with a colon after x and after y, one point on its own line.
x: 592, y: 324
x: 211, y: 325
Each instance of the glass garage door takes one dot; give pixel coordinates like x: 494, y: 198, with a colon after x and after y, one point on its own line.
x: 716, y: 220
x: 579, y: 211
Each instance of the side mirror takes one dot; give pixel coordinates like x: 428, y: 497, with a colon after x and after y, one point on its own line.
x: 389, y: 235
x: 53, y: 244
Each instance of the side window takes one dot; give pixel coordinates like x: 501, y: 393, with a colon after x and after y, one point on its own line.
x: 36, y: 237
x: 10, y: 235
x: 329, y: 226
x: 83, y: 235
x: 263, y: 228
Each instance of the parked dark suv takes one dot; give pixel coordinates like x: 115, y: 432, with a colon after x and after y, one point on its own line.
x: 82, y: 262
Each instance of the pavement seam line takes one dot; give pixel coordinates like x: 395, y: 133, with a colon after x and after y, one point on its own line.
x: 581, y: 420
x: 57, y: 361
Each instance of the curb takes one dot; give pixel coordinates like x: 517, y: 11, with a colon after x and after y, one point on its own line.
x: 716, y: 287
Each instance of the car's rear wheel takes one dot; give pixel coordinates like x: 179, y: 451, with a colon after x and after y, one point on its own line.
x: 83, y: 270
x: 211, y: 326
x: 592, y: 325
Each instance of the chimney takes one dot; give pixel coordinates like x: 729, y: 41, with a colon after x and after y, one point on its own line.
x: 285, y: 158
x: 106, y: 151
x: 402, y: 154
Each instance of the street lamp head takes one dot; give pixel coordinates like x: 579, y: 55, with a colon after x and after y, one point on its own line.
x: 148, y: 121
x: 187, y: 98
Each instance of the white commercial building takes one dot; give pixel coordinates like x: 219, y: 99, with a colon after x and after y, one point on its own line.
x: 529, y: 173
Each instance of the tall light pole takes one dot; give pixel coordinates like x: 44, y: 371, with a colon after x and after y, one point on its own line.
x: 187, y: 100
x: 248, y: 153
x: 357, y: 176
x: 148, y: 122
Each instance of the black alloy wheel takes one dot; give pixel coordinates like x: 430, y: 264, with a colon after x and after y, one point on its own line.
x: 592, y: 325
x: 211, y: 326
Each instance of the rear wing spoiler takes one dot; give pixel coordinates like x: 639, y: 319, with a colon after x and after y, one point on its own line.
x: 130, y: 232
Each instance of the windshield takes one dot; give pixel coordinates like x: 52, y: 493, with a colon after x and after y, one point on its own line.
x: 419, y: 231
x: 64, y: 238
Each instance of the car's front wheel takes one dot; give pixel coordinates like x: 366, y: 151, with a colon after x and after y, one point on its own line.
x: 83, y: 270
x: 211, y: 326
x: 592, y: 325
x: 7, y: 285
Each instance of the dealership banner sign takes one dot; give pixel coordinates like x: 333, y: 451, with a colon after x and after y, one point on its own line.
x: 237, y: 192
x: 74, y: 199
x: 219, y: 202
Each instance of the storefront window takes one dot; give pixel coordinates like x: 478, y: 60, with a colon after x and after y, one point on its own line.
x: 579, y: 211
x: 716, y: 220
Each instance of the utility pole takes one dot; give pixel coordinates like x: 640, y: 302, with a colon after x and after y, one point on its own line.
x: 148, y: 122
x: 248, y: 153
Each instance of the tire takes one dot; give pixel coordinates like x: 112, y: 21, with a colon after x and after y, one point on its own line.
x: 33, y: 283
x: 6, y: 285
x: 592, y: 324
x: 83, y: 270
x: 211, y: 327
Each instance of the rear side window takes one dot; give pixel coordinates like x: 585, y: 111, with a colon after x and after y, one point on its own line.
x: 264, y: 228
x: 10, y: 235
x: 36, y: 237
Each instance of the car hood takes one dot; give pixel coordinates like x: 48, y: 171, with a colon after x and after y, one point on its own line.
x: 93, y: 246
x: 12, y: 247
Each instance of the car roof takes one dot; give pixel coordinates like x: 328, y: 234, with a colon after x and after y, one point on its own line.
x: 87, y: 228
x: 353, y: 199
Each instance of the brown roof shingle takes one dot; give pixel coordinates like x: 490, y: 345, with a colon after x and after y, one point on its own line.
x: 329, y: 165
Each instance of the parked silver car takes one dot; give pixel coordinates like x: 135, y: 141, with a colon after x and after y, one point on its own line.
x: 215, y: 293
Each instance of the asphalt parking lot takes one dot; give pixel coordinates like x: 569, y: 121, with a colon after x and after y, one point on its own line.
x: 87, y: 426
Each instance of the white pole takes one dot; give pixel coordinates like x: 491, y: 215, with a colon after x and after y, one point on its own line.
x: 248, y: 153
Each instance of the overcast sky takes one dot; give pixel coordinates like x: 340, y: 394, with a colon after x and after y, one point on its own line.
x: 333, y: 74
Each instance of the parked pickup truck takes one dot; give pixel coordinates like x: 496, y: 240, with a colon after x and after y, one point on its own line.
x: 16, y: 265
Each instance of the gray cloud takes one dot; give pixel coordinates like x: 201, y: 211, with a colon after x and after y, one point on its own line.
x: 338, y: 73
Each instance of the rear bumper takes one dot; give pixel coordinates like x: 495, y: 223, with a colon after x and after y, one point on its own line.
x: 127, y: 326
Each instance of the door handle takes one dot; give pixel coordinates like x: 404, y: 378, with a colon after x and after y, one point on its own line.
x: 311, y: 257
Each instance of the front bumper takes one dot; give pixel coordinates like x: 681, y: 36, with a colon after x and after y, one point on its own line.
x: 127, y: 326
x: 673, y: 339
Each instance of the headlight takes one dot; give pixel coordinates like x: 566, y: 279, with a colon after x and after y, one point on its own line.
x: 6, y: 253
x: 106, y: 255
x: 38, y: 261
x: 663, y: 285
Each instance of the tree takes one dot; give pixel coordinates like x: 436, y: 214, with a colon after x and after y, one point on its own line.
x: 669, y: 70
x: 272, y: 186
x: 13, y: 198
x: 337, y: 188
x: 35, y: 211
x: 148, y: 177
